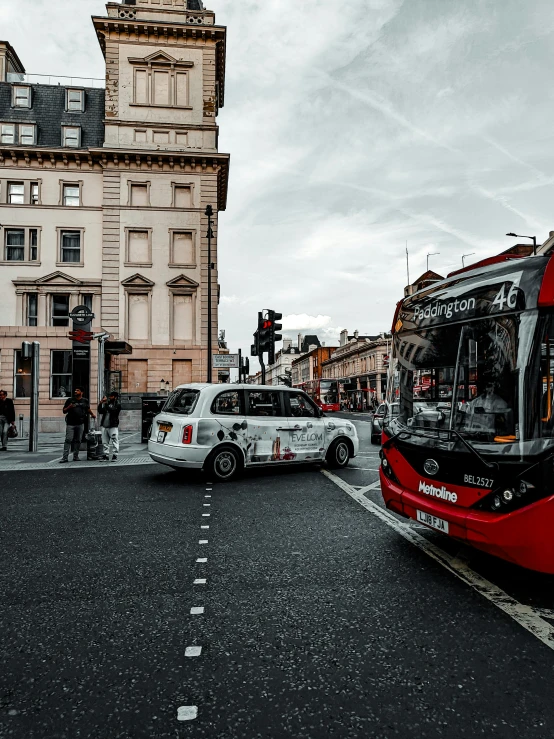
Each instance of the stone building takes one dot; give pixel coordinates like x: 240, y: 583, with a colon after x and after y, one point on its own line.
x: 103, y: 195
x: 360, y: 364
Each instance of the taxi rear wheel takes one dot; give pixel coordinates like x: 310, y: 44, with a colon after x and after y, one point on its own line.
x: 339, y: 454
x: 223, y: 464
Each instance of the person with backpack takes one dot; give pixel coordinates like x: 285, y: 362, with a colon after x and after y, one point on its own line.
x: 76, y: 409
x: 7, y: 418
x: 108, y: 412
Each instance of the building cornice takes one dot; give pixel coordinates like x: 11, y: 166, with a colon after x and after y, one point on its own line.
x: 130, y: 159
x: 165, y: 33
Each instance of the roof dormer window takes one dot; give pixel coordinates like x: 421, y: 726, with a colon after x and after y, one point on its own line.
x: 75, y: 101
x: 71, y: 136
x: 21, y: 96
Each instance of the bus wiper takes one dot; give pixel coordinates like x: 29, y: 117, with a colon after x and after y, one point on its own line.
x: 465, y: 442
x: 473, y: 450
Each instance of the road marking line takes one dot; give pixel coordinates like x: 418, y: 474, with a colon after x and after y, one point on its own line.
x: 187, y: 713
x: 196, y: 610
x: 526, y: 616
x: 374, y: 486
x: 206, y: 505
x: 202, y: 559
x: 193, y: 651
x: 204, y: 527
x: 202, y: 541
x: 199, y: 581
x: 362, y: 469
x: 205, y: 515
x: 207, y: 496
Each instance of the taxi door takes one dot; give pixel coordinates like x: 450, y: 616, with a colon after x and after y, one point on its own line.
x: 307, y: 428
x: 268, y: 427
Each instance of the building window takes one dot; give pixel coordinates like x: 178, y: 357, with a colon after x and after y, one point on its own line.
x: 61, y: 365
x: 71, y: 136
x: 182, y: 248
x: 27, y: 135
x: 7, y: 133
x: 33, y: 244
x: 15, y: 245
x: 139, y: 316
x: 183, y: 318
x: 139, y: 247
x: 139, y: 195
x: 60, y: 310
x: 158, y: 85
x: 32, y: 309
x: 70, y: 247
x: 21, y: 96
x: 75, y: 100
x: 35, y: 193
x: 22, y: 376
x: 87, y: 301
x: 72, y: 195
x: 16, y: 193
x: 182, y: 196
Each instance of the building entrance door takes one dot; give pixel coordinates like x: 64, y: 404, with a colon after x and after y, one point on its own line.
x: 137, y: 375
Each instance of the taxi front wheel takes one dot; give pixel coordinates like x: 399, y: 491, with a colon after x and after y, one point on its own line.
x: 223, y: 464
x: 339, y: 454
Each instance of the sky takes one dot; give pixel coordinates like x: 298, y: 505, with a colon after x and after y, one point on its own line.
x: 355, y: 128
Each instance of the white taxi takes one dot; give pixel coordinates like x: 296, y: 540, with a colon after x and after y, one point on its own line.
x: 224, y: 428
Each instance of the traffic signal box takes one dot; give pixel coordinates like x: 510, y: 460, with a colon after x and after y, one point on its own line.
x: 266, y: 335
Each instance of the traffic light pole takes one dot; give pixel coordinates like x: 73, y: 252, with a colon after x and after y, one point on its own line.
x: 209, y: 213
x: 33, y: 419
x: 262, y: 365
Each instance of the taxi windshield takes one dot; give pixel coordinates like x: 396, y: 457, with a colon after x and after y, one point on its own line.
x: 462, y: 377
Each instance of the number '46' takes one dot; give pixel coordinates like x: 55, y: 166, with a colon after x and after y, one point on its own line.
x: 502, y: 299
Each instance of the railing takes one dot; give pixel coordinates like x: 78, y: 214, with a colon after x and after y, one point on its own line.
x: 52, y: 79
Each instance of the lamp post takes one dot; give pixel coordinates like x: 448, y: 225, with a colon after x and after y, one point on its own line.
x: 533, y: 238
x: 431, y: 254
x: 209, y: 212
x: 471, y: 253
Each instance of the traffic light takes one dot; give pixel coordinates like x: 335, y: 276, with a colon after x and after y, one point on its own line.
x: 254, y: 347
x: 246, y: 367
x: 264, y: 334
x: 272, y: 317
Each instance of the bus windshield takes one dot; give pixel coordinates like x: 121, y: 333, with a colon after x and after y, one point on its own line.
x: 461, y: 377
x: 329, y: 391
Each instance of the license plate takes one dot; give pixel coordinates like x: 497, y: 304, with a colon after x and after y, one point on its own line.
x: 161, y: 436
x: 165, y: 427
x: 435, y: 523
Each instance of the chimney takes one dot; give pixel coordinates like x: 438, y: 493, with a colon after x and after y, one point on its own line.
x: 287, y: 343
x: 356, y: 334
x: 300, y: 337
x: 344, y: 337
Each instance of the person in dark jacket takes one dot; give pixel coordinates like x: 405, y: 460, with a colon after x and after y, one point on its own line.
x: 108, y: 412
x: 76, y: 409
x: 7, y: 418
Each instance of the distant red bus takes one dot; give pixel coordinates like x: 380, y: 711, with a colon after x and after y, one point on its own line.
x: 323, y: 392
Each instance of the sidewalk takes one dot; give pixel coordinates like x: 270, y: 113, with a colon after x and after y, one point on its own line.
x: 50, y: 448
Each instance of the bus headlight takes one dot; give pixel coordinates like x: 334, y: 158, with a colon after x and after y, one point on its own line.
x: 496, y: 503
x: 508, y: 495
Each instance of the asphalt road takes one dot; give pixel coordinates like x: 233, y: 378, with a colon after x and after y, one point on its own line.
x: 319, y: 620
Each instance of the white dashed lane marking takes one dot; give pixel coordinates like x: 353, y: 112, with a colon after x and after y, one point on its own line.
x: 187, y: 713
x: 193, y: 651
x: 202, y: 541
x: 200, y: 581
x: 196, y: 610
x: 206, y: 505
x: 529, y: 617
x: 202, y: 559
x: 205, y: 515
x: 204, y: 527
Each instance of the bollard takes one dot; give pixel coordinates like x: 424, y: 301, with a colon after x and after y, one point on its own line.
x: 20, y: 431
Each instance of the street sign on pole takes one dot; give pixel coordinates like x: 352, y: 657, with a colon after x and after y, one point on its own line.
x: 225, y: 361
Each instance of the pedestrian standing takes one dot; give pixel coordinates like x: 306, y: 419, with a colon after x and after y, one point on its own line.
x: 76, y: 409
x: 7, y: 418
x: 108, y: 412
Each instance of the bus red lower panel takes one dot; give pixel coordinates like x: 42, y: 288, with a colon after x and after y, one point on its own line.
x: 524, y: 537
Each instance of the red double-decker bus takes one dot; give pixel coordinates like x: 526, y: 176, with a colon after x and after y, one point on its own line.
x: 323, y: 392
x: 469, y: 448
